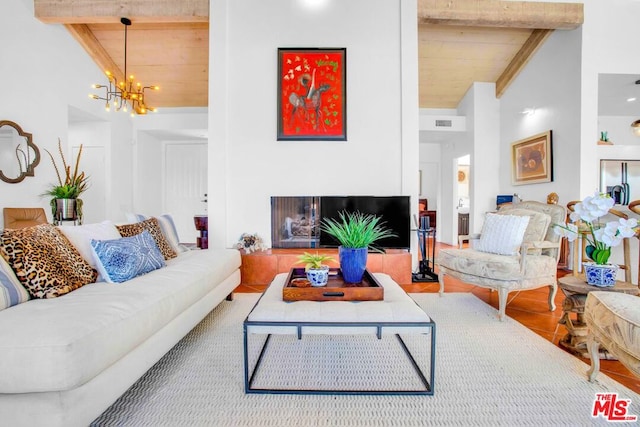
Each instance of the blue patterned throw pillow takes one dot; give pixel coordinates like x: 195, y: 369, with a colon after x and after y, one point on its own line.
x: 122, y: 259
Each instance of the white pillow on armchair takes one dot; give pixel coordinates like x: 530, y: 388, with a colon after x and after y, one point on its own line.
x: 502, y: 234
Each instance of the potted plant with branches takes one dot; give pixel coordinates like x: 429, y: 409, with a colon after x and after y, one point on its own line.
x: 356, y: 232
x: 315, y: 268
x: 65, y: 202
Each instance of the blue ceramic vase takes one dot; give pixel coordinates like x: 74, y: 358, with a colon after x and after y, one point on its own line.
x: 600, y: 275
x: 353, y: 262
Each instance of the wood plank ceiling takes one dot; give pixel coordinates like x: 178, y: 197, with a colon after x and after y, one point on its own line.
x: 460, y: 41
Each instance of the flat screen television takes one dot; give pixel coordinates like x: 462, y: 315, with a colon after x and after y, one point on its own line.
x: 394, y: 210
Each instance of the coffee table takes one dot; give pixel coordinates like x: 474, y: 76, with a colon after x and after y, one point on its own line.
x: 345, y: 324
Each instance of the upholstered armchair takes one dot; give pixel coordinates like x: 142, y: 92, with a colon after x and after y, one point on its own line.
x: 613, y: 320
x: 517, y: 252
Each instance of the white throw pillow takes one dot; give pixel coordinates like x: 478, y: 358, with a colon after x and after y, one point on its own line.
x: 502, y: 234
x: 80, y: 237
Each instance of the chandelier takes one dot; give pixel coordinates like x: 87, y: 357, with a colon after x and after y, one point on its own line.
x: 127, y: 94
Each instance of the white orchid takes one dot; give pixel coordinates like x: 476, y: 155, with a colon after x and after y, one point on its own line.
x: 570, y: 231
x: 627, y: 227
x: 592, y: 207
x: 600, y: 238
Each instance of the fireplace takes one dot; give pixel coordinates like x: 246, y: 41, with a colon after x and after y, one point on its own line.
x: 295, y: 222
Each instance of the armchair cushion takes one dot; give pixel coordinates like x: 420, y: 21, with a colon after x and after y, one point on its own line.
x: 494, y: 267
x: 502, y: 234
x: 615, y: 318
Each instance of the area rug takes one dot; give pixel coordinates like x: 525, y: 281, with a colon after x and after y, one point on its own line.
x: 487, y: 373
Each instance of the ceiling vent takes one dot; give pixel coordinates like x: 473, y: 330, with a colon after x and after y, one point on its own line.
x: 444, y: 123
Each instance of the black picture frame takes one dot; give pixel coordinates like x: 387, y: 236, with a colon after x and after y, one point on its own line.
x: 312, y: 94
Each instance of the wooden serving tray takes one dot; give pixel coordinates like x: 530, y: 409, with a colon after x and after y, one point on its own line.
x: 335, y: 290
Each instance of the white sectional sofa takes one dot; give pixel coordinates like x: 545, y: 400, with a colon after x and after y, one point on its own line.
x: 64, y: 360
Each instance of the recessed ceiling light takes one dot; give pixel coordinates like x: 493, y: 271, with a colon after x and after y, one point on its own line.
x: 631, y: 99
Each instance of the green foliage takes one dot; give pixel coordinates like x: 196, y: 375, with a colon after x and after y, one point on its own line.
x: 356, y: 230
x: 314, y: 261
x: 598, y: 255
x: 74, y: 183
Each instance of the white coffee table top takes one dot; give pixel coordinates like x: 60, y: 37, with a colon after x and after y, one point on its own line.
x: 397, y: 307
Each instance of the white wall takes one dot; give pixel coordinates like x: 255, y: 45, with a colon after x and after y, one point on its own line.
x: 151, y: 133
x: 551, y: 84
x: 480, y: 142
x: 618, y: 129
x: 147, y: 199
x: 247, y: 164
x: 45, y: 71
x: 484, y: 179
x: 610, y: 36
x: 50, y: 74
x: 96, y: 157
x: 431, y: 177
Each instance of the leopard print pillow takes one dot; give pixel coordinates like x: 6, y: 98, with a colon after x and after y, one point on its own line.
x: 153, y: 227
x: 44, y: 261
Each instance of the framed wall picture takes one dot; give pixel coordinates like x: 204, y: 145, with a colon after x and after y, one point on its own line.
x: 532, y: 160
x: 312, y: 94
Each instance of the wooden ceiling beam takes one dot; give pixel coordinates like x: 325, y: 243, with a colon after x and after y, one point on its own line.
x: 499, y: 13
x: 88, y: 41
x: 520, y: 60
x: 109, y: 11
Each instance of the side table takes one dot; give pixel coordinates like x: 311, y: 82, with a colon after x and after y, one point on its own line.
x: 575, y: 289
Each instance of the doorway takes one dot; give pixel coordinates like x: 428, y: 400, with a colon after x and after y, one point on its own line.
x: 185, y: 185
x: 463, y: 201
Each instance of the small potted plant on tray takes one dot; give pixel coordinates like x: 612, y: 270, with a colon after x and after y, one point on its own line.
x: 356, y: 232
x: 317, y: 271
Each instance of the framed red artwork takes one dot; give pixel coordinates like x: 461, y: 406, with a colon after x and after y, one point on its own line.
x: 312, y: 94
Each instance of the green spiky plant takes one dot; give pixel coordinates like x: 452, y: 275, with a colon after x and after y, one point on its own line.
x: 313, y: 261
x: 73, y: 184
x: 356, y: 230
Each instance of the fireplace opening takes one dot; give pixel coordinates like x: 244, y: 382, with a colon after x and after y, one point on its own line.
x: 295, y: 222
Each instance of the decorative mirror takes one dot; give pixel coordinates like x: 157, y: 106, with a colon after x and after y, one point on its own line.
x: 19, y: 156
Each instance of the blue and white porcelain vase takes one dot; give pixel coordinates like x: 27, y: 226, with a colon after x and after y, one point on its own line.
x: 601, y: 275
x: 318, y: 276
x: 353, y: 262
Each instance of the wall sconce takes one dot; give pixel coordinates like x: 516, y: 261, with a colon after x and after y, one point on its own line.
x: 635, y: 127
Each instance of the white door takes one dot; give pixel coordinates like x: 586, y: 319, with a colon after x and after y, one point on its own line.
x: 185, y: 185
